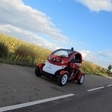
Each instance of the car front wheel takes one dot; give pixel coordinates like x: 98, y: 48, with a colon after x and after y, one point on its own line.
x: 62, y: 79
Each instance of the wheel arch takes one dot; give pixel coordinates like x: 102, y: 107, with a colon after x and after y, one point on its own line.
x: 40, y: 65
x: 79, y: 75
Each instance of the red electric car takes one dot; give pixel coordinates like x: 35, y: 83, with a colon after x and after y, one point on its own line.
x: 64, y: 65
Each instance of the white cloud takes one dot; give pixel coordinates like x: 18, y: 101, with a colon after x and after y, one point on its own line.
x: 97, y: 5
x: 26, y: 36
x: 88, y: 56
x: 15, y: 13
x: 107, y: 53
x: 83, y: 43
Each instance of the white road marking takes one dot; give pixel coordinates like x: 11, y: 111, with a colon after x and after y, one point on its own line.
x: 109, y: 85
x: 95, y: 89
x: 34, y: 103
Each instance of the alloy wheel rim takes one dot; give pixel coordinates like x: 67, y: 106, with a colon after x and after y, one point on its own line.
x: 82, y: 79
x: 64, y: 79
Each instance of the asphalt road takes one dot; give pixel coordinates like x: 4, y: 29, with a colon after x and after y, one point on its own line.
x: 19, y: 87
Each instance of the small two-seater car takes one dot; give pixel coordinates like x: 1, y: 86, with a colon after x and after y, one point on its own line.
x: 64, y: 65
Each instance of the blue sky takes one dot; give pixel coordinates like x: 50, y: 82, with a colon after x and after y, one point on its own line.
x: 83, y: 24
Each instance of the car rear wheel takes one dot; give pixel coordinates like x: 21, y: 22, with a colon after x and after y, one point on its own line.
x: 62, y: 79
x: 81, y: 80
x: 37, y: 71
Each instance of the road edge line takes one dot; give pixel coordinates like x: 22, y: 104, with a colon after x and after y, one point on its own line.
x: 95, y: 89
x: 7, y: 108
x: 109, y: 85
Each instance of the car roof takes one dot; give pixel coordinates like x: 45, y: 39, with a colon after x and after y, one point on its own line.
x: 70, y: 51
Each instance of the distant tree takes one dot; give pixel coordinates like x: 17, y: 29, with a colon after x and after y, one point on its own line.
x: 109, y: 67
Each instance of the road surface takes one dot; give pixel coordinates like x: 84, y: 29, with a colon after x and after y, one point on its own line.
x: 22, y: 91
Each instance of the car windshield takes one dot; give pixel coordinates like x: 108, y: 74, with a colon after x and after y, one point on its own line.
x: 62, y: 52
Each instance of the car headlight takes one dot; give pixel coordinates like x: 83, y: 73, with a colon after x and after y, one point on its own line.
x: 62, y: 62
x: 49, y: 58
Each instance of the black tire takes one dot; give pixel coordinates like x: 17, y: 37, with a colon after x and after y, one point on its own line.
x: 81, y: 80
x: 37, y: 71
x: 62, y: 79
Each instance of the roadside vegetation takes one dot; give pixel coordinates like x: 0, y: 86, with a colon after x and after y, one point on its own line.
x: 90, y: 68
x: 15, y: 51
x: 18, y: 52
